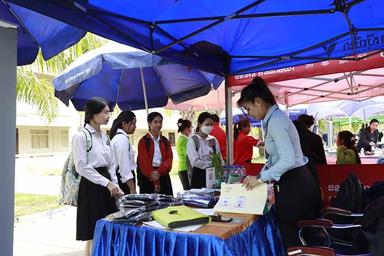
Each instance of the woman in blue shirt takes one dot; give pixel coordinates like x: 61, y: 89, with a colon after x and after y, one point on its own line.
x: 294, y: 186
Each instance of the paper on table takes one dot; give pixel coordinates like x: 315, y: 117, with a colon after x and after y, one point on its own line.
x: 155, y: 224
x: 205, y: 211
x: 234, y: 198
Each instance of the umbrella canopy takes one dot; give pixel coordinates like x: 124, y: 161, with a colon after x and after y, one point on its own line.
x: 231, y: 37
x: 35, y: 31
x: 130, y: 78
x: 366, y: 112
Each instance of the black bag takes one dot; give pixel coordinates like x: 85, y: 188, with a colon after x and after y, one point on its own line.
x: 350, y: 195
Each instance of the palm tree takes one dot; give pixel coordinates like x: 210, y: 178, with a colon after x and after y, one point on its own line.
x: 34, y: 82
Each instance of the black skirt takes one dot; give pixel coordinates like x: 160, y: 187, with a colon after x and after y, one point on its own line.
x: 94, y: 203
x: 123, y: 185
x: 147, y: 187
x: 198, y: 179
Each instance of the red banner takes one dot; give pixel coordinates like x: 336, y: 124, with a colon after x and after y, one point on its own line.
x: 331, y: 176
x: 310, y: 70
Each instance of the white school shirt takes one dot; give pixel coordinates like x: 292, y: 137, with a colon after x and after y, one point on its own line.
x: 123, y: 155
x: 201, y: 158
x: 157, y: 158
x: 100, y: 155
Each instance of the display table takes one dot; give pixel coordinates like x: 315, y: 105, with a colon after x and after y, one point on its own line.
x: 364, y: 159
x: 254, y: 236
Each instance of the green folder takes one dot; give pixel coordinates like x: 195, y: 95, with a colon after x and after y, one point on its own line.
x: 179, y: 216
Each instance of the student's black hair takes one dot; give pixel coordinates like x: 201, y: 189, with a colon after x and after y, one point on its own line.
x: 307, y: 120
x: 374, y: 120
x: 257, y: 89
x: 202, y: 117
x: 349, y: 142
x: 215, y: 118
x: 93, y: 107
x: 183, y: 124
x: 238, y: 126
x: 152, y: 116
x: 125, y: 116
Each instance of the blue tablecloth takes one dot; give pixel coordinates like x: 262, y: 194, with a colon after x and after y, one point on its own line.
x: 260, y: 238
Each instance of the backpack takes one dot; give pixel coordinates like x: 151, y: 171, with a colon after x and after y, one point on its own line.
x: 70, y: 178
x: 350, y: 195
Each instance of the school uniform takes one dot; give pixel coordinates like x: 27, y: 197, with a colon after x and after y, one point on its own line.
x: 124, y: 159
x: 96, y: 170
x: 294, y: 186
x: 199, y: 158
x: 181, y: 149
x: 154, y: 154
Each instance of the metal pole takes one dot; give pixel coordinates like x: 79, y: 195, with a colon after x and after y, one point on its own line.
x: 144, y: 89
x: 229, y: 123
x: 8, y: 64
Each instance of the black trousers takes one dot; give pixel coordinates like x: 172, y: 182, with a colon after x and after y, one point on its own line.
x: 295, y: 199
x: 124, y: 186
x: 147, y: 187
x: 183, y: 175
x: 198, y: 178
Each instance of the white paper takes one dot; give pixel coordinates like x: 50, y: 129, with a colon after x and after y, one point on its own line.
x: 234, y: 198
x: 155, y: 224
x: 210, y: 178
x: 205, y: 211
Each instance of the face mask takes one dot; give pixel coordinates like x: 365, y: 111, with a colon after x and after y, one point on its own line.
x: 206, y: 129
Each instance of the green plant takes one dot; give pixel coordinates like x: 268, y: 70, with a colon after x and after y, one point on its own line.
x: 217, y: 164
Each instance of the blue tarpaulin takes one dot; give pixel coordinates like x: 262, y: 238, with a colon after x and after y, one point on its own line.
x: 36, y: 31
x: 230, y: 37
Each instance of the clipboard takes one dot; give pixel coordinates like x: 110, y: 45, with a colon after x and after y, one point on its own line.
x: 234, y: 198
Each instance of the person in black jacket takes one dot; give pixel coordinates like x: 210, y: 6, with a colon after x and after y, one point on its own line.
x: 314, y: 141
x: 368, y: 137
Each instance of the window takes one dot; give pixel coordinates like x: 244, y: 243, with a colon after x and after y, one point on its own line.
x: 172, y: 138
x: 39, y: 139
x: 64, y: 138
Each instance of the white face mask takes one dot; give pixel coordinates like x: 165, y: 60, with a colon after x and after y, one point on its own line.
x: 206, y: 129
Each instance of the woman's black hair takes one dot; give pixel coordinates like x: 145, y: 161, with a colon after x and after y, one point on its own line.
x: 183, y: 124
x: 201, y: 119
x: 240, y: 125
x: 349, y: 142
x: 152, y: 116
x: 307, y: 120
x: 257, y: 89
x: 93, y: 107
x: 125, y: 116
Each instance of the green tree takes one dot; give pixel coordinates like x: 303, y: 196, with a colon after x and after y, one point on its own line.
x: 34, y: 82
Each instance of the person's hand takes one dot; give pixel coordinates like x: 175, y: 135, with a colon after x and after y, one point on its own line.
x: 260, y: 143
x: 372, y: 143
x: 114, y: 190
x: 155, y: 175
x: 250, y: 182
x: 157, y: 188
x: 131, y: 186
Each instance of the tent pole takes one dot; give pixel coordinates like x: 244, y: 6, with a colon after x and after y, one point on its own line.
x: 229, y: 123
x: 8, y: 134
x: 144, y: 89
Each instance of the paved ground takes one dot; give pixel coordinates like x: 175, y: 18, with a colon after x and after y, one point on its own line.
x: 49, y: 233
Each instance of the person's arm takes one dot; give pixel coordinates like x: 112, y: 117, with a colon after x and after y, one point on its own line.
x: 181, y: 148
x: 320, y: 151
x: 120, y: 148
x: 80, y: 156
x: 279, y: 130
x: 252, y: 141
x: 194, y: 157
x: 363, y: 140
x: 167, y: 157
x: 144, y: 160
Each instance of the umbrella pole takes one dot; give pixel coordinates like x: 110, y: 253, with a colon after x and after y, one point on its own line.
x: 229, y: 123
x: 144, y: 89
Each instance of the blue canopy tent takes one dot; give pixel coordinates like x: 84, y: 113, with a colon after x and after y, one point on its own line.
x: 38, y: 31
x: 130, y: 78
x: 231, y: 37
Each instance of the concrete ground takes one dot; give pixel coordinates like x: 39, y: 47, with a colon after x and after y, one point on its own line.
x: 50, y: 233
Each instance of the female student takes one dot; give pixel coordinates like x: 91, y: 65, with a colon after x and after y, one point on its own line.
x: 199, y: 148
x: 294, y: 185
x: 346, y: 148
x: 98, y: 186
x: 124, y: 156
x: 154, y: 159
x: 185, y: 129
x: 243, y: 143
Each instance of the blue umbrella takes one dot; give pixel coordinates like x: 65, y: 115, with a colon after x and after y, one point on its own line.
x: 38, y: 31
x: 130, y: 78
